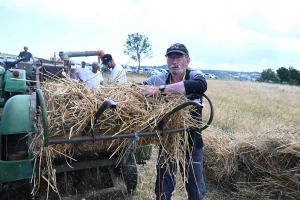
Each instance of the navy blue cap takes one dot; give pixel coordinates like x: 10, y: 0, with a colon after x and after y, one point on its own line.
x: 106, y: 58
x: 179, y: 48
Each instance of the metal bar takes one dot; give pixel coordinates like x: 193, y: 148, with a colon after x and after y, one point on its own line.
x: 66, y: 55
x: 111, y: 137
x: 41, y: 102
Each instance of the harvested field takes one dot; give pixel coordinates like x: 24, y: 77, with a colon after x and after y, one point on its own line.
x: 252, y: 150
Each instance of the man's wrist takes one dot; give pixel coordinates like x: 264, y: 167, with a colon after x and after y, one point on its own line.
x: 162, y: 88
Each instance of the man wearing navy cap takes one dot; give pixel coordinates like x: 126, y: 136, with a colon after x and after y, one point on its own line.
x: 180, y: 80
x: 118, y: 73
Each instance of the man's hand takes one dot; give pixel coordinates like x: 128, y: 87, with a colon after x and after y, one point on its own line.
x: 149, y: 89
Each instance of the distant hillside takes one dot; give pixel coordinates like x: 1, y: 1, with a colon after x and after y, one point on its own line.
x: 7, y: 54
x: 233, y: 75
x: 222, y: 74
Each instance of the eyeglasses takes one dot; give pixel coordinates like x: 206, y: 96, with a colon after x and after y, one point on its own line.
x: 177, y: 57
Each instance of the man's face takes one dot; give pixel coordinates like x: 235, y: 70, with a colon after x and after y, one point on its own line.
x: 95, y: 68
x: 83, y: 65
x: 25, y: 49
x: 177, y: 63
x: 108, y: 65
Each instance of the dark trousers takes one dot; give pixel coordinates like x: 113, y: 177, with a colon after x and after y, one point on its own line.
x: 195, y: 186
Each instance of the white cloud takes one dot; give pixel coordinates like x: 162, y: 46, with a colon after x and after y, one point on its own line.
x: 289, y: 44
x: 245, y: 34
x: 107, y: 13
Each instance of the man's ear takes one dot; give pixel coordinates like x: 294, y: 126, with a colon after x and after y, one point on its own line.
x: 188, y: 60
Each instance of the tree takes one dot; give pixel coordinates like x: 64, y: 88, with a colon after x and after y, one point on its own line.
x: 294, y: 76
x: 283, y: 74
x: 138, y: 48
x: 269, y: 75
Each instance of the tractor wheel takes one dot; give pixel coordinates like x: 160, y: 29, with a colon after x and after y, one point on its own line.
x: 130, y: 175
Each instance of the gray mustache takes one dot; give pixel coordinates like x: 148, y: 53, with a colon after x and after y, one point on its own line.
x: 175, y: 66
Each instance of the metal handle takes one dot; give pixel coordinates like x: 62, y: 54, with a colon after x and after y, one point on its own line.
x: 192, y: 103
x: 106, y: 104
x: 41, y: 102
x: 211, y: 112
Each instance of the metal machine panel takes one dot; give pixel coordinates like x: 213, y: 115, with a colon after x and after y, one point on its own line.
x: 15, y: 170
x: 26, y: 66
x: 13, y: 85
x: 16, y: 116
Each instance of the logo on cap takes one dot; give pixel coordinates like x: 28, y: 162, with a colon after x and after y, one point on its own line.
x: 106, y: 58
x: 174, y: 46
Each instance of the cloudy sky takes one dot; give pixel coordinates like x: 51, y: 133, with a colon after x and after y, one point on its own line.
x: 235, y: 35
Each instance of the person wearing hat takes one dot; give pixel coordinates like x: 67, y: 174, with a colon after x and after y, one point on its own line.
x: 118, y: 73
x: 81, y: 72
x: 180, y: 80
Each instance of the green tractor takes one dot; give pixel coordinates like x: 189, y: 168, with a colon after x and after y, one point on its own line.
x: 15, y: 163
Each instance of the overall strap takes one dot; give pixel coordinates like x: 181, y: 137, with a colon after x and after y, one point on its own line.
x: 187, y: 76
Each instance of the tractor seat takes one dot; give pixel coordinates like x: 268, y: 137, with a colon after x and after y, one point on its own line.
x: 26, y: 66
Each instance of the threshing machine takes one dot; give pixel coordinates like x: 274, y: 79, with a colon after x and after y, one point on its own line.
x: 97, y: 169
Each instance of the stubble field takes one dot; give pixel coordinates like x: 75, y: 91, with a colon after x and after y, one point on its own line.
x: 242, y: 110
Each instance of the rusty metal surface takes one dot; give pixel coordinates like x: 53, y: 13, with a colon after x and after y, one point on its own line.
x: 37, y: 76
x: 82, y: 164
x: 32, y: 109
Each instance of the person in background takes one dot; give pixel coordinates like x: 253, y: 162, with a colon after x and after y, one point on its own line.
x: 26, y: 55
x: 94, y: 76
x: 118, y: 73
x: 73, y: 73
x: 180, y: 80
x: 81, y: 72
x: 60, y: 54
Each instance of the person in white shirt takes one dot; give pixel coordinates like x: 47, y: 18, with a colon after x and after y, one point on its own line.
x: 81, y: 72
x: 94, y: 76
x: 118, y: 73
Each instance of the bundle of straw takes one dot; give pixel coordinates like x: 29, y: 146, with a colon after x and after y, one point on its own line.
x: 71, y: 107
x: 255, y: 166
